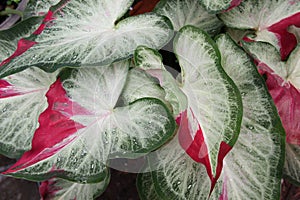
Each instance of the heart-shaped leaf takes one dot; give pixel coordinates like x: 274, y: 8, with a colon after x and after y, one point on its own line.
x: 283, y: 81
x: 210, y: 126
x: 85, y: 125
x: 9, y: 38
x: 151, y: 61
x: 188, y: 12
x: 269, y: 19
x: 60, y: 189
x: 22, y: 100
x: 292, y: 163
x: 254, y: 166
x: 219, y: 5
x: 89, y: 33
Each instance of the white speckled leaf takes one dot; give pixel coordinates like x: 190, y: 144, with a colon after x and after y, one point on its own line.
x: 60, y: 189
x: 269, y: 19
x: 219, y: 5
x: 85, y: 33
x: 96, y: 127
x: 9, y: 38
x: 214, y: 103
x: 188, y: 12
x: 292, y: 163
x: 146, y: 187
x: 151, y: 61
x: 254, y: 166
x: 38, y: 7
x: 22, y: 99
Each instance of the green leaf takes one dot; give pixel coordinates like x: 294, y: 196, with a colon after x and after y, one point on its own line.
x: 88, y: 33
x: 188, y: 12
x: 146, y: 187
x: 60, y: 189
x: 91, y: 127
x: 254, y: 166
x: 38, y: 7
x: 9, y: 38
x: 22, y: 100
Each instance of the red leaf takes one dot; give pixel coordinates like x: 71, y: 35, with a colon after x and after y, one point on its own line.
x: 7, y: 90
x: 143, y: 6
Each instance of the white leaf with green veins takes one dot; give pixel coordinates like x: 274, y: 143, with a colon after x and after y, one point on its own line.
x: 254, y: 166
x: 292, y: 163
x: 269, y: 19
x: 151, y: 61
x: 60, y: 189
x: 38, y: 7
x: 88, y: 33
x: 22, y: 100
x: 146, y: 187
x: 81, y: 139
x: 188, y: 12
x: 219, y: 5
x: 9, y: 38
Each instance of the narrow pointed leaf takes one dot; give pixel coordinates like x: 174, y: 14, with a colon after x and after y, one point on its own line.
x: 211, y: 123
x: 85, y: 34
x: 283, y: 84
x: 292, y: 163
x: 254, y: 166
x: 84, y: 126
x: 188, y: 12
x: 60, y: 189
x: 219, y: 5
x: 22, y: 100
x: 269, y: 19
x: 9, y: 38
x: 151, y: 61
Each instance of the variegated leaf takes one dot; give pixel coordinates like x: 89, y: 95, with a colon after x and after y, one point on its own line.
x: 254, y: 166
x: 210, y: 126
x: 189, y: 12
x: 22, y: 100
x: 60, y: 189
x: 219, y: 5
x: 283, y: 81
x: 9, y: 38
x: 269, y: 19
x: 151, y: 61
x: 88, y: 33
x: 38, y: 7
x: 146, y: 187
x: 85, y: 125
x: 292, y: 163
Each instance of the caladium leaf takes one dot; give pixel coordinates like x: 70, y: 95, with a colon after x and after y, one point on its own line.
x: 188, y: 12
x: 146, y: 187
x: 269, y: 19
x: 85, y: 34
x: 60, y: 189
x: 151, y: 61
x: 84, y: 122
x: 9, y: 38
x: 22, y: 100
x: 283, y: 81
x: 38, y: 7
x: 254, y: 166
x: 210, y: 126
x: 292, y: 163
x: 219, y: 5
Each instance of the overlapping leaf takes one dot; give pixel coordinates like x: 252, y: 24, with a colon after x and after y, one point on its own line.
x: 219, y: 5
x: 283, y: 81
x: 211, y: 124
x: 85, y: 33
x: 22, y: 100
x: 292, y: 163
x: 269, y: 19
x: 9, y: 38
x: 85, y: 125
x: 188, y: 12
x: 38, y: 7
x: 59, y: 189
x: 254, y: 166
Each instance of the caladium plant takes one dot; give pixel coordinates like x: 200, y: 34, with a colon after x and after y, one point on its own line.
x: 84, y: 83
